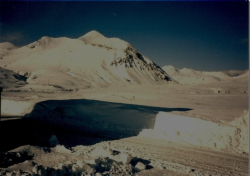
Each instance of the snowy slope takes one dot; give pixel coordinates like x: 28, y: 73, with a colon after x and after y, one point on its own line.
x: 90, y: 60
x: 10, y: 79
x: 243, y: 78
x: 220, y: 75
x: 233, y: 73
x: 190, y: 76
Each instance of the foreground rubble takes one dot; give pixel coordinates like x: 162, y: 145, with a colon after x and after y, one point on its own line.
x: 129, y: 156
x: 80, y: 160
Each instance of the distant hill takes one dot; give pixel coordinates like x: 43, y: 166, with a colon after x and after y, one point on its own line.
x: 190, y: 76
x: 233, y: 73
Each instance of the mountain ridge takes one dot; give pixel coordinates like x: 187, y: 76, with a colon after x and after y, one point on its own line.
x: 191, y: 76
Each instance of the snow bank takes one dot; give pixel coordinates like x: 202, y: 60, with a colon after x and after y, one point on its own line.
x: 201, y: 133
x: 15, y: 108
x: 242, y: 125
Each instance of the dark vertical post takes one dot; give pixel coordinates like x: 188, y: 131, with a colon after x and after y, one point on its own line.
x: 1, y: 89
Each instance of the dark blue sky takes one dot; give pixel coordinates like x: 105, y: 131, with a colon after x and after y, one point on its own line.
x: 200, y: 35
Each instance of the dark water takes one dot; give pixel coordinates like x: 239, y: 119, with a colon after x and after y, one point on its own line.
x: 15, y: 133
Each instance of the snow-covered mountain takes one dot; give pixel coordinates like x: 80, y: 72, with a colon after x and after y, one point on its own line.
x: 91, y: 60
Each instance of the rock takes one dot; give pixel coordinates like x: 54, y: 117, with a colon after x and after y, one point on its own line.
x: 140, y: 166
x: 125, y: 158
x: 100, y: 151
x: 68, y: 163
x: 105, y: 173
x: 18, y: 155
x: 159, y: 167
x: 91, y: 160
x: 80, y: 163
x: 9, y: 174
x: 98, y: 174
x: 53, y: 141
x: 83, y: 168
x: 18, y: 173
x: 122, y: 157
x: 39, y: 170
x: 35, y: 169
x: 88, y: 170
x: 74, y: 168
x: 188, y: 169
x: 60, y: 166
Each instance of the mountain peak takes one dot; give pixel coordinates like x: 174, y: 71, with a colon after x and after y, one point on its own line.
x: 7, y: 46
x: 92, y: 34
x: 170, y: 68
x: 44, y: 40
x: 95, y: 37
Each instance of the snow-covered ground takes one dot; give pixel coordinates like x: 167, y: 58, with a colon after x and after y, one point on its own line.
x: 112, y: 113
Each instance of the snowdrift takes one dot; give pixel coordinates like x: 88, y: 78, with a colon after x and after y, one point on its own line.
x: 15, y: 108
x: 231, y: 138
